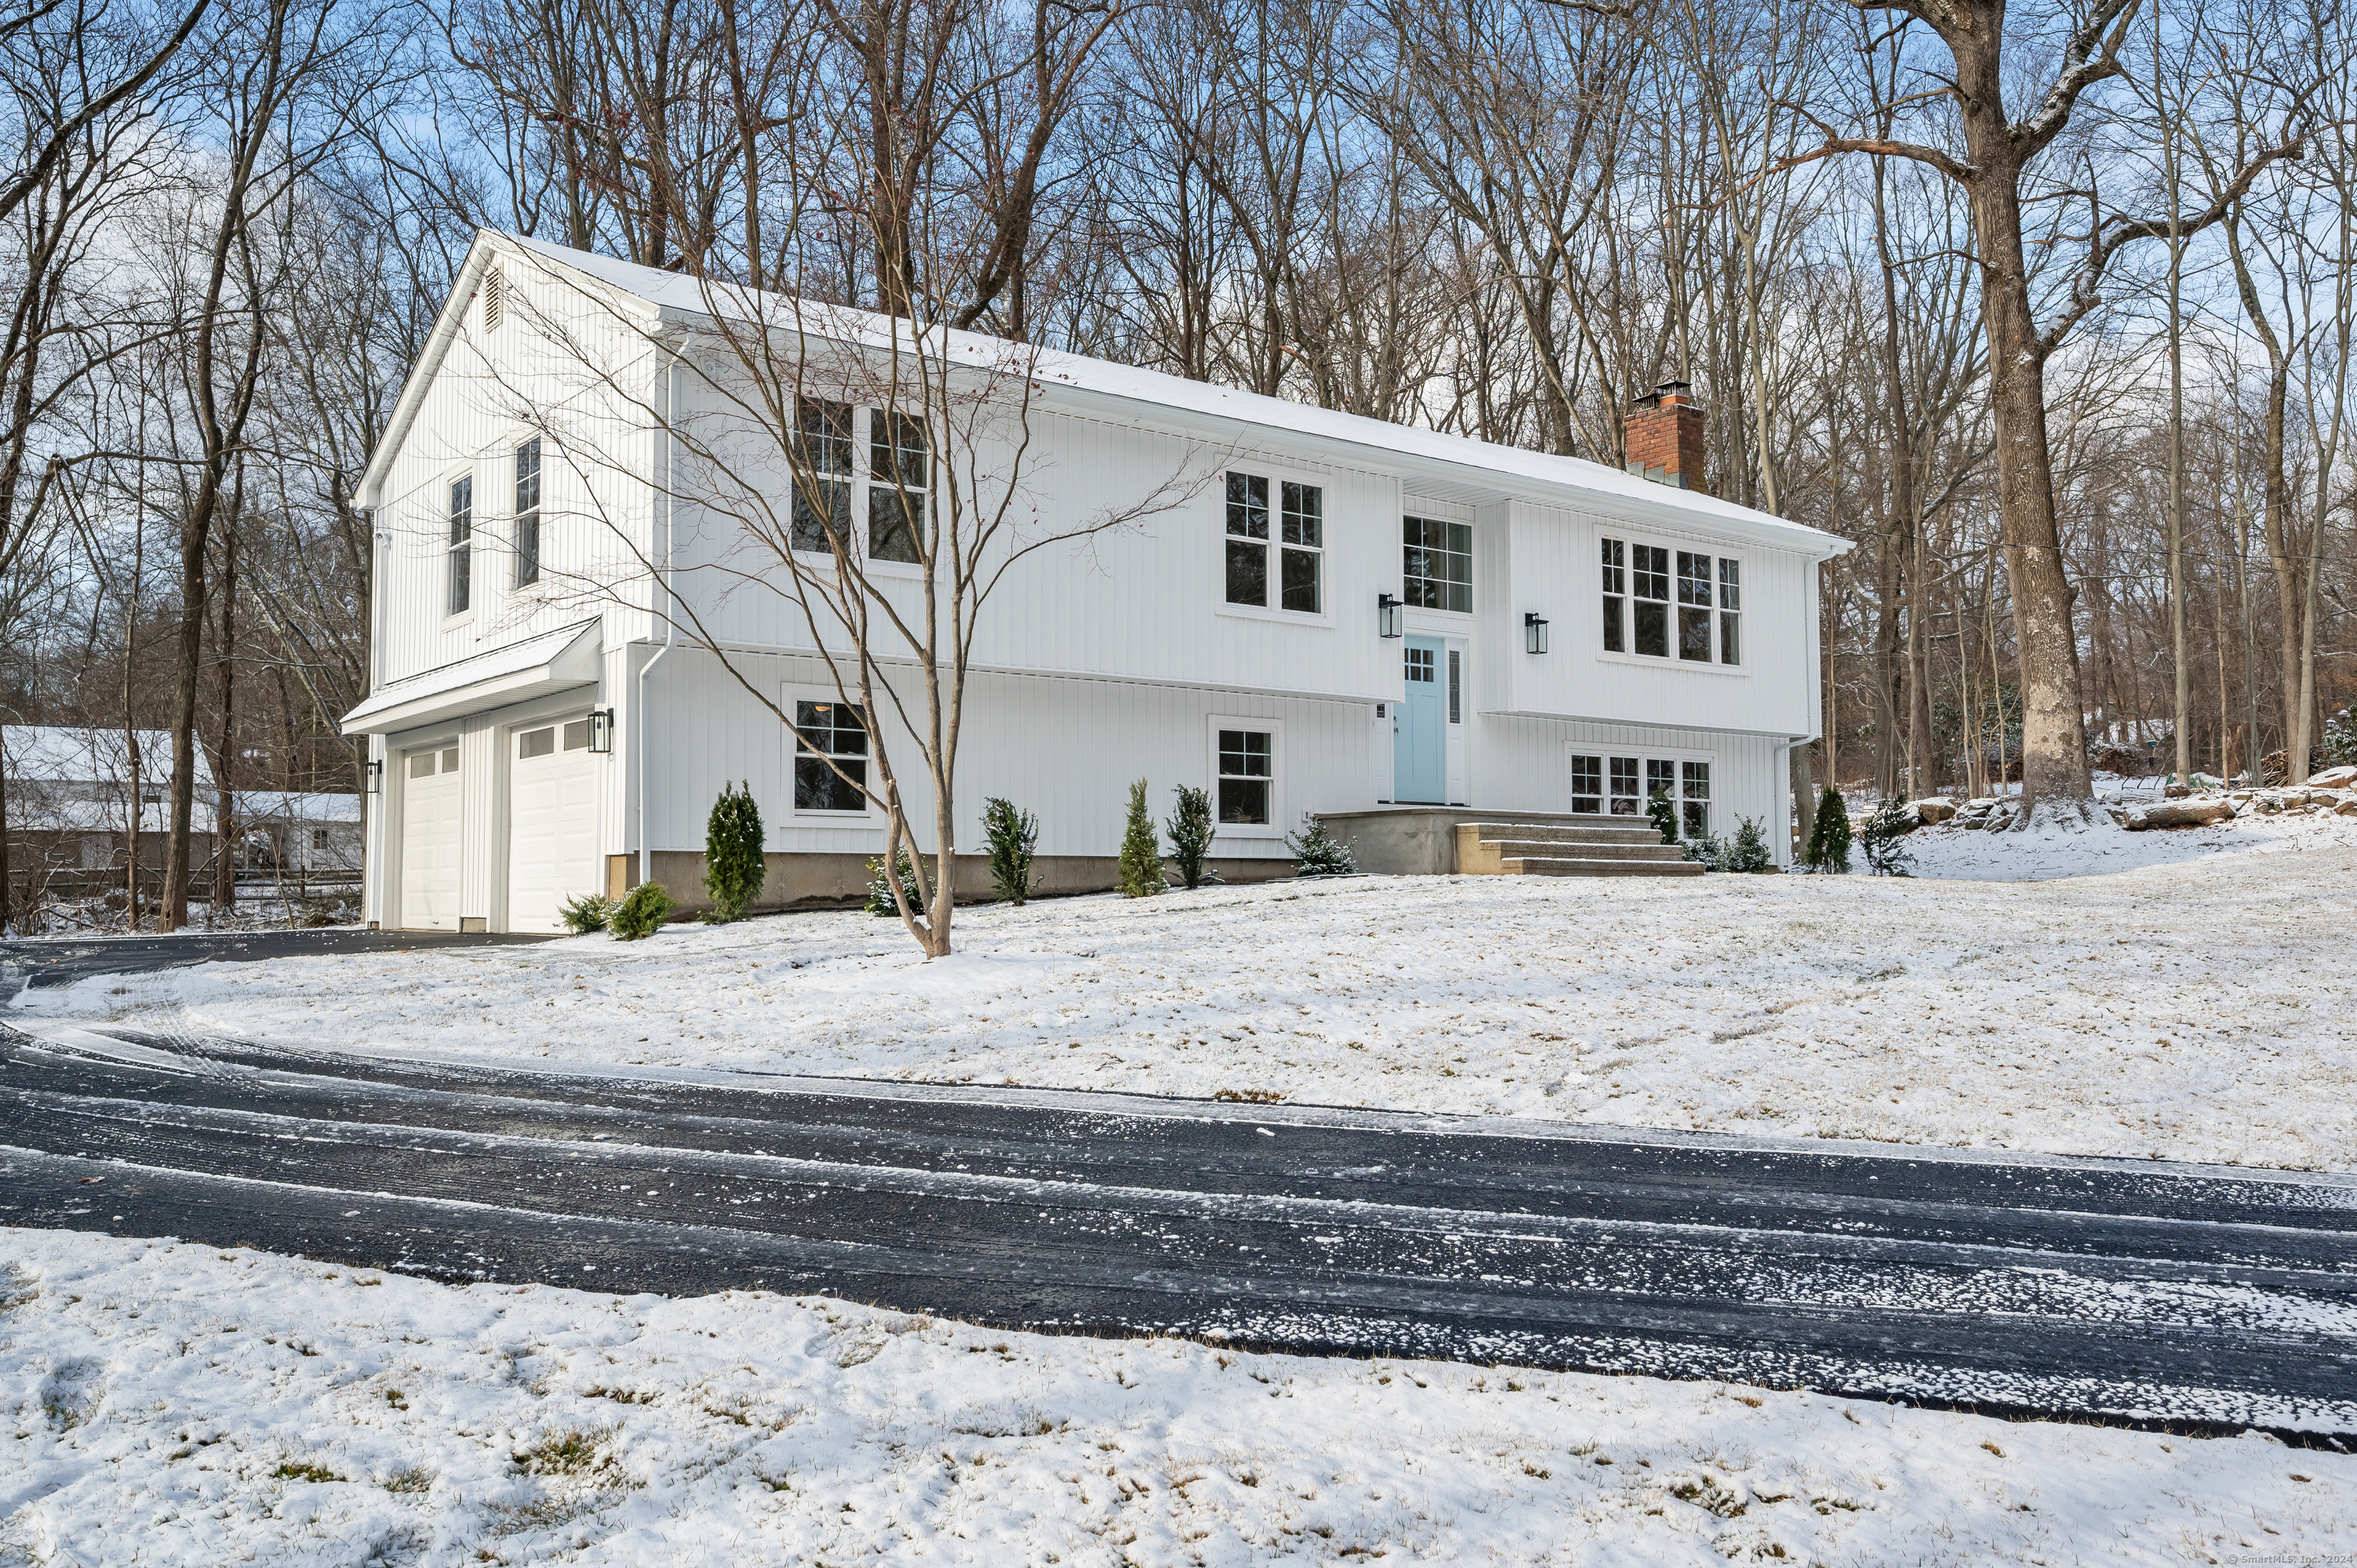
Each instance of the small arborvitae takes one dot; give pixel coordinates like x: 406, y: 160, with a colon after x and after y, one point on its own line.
x: 879, y: 888
x: 1706, y: 850
x: 1884, y: 839
x: 1663, y: 812
x: 1317, y: 853
x: 641, y: 914
x: 1141, y: 851
x: 1011, y: 836
x: 734, y: 869
x: 1748, y: 851
x: 1829, y: 844
x: 1192, y: 829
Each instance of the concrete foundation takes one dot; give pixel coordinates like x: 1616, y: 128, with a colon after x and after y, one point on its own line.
x: 1421, y: 841
x: 829, y: 881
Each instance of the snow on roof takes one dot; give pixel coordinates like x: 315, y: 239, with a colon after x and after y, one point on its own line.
x: 57, y: 754
x: 1540, y: 474
x: 297, y: 806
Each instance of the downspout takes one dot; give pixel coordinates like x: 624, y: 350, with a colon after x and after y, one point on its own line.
x: 671, y: 605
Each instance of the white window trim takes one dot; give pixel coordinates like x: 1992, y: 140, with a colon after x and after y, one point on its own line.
x: 1630, y: 538
x: 862, y: 482
x: 505, y: 459
x: 1608, y: 750
x: 1274, y: 730
x: 869, y: 819
x: 1278, y: 474
x: 451, y: 619
x: 1453, y: 619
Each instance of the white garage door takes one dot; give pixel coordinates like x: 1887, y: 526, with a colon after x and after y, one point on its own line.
x: 429, y: 839
x: 552, y: 822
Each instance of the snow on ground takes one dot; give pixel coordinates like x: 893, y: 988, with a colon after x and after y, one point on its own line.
x: 172, y: 1404
x: 2200, y: 1011
x: 2049, y: 853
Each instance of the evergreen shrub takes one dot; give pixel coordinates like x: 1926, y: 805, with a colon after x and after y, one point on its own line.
x: 1011, y: 836
x: 1663, y: 812
x: 1317, y: 853
x: 1829, y: 844
x: 1884, y: 839
x: 642, y: 913
x: 1191, y: 829
x: 879, y: 887
x: 734, y: 869
x: 1141, y: 851
x: 588, y: 913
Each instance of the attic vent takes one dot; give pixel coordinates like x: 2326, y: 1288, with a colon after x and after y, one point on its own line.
x: 495, y: 298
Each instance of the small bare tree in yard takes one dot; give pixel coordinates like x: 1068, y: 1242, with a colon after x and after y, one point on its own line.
x: 904, y: 161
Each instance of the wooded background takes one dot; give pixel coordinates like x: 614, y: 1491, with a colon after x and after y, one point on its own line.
x: 1505, y: 219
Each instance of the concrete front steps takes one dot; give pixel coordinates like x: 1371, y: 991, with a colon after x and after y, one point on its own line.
x: 1445, y: 841
x: 1551, y: 847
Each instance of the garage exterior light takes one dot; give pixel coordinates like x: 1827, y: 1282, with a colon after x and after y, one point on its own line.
x: 601, y: 730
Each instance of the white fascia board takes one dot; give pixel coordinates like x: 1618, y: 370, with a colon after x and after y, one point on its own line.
x: 536, y: 667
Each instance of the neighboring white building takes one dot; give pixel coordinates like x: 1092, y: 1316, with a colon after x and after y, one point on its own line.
x: 536, y: 737
x: 297, y: 832
x: 71, y: 794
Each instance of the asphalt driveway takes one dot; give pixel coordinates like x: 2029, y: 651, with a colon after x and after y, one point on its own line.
x: 2096, y: 1288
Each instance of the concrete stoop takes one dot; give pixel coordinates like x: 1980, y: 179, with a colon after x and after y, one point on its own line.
x: 1553, y: 849
x: 1441, y: 840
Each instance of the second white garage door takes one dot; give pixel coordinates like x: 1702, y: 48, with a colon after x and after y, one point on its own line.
x: 552, y: 822
x: 429, y: 839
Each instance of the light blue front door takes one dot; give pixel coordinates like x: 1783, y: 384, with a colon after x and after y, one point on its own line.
x: 1420, y: 740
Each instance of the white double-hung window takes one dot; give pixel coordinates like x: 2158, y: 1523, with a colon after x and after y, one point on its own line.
x: 1665, y: 603
x: 459, y: 553
x: 896, y: 478
x: 1295, y: 536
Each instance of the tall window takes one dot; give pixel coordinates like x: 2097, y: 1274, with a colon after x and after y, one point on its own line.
x: 1436, y: 565
x: 462, y: 537
x: 1299, y: 544
x: 1625, y: 799
x: 1652, y: 597
x: 1248, y: 539
x: 1694, y: 606
x: 1707, y: 627
x: 1661, y: 777
x: 527, y: 512
x: 1302, y: 559
x: 830, y: 757
x: 1616, y: 597
x: 823, y: 477
x: 1456, y: 687
x: 1247, y: 776
x: 1697, y: 798
x: 896, y: 499
x: 1730, y: 608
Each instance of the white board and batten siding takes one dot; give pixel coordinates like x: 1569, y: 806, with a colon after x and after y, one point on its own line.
x: 1098, y: 661
x: 1065, y: 748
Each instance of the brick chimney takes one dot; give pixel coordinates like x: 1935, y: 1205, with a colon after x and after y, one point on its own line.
x: 1665, y: 438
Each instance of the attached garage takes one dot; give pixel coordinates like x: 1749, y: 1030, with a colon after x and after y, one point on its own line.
x: 552, y: 822
x: 429, y: 839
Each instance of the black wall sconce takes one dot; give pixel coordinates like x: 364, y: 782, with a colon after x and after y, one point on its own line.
x: 601, y: 730
x: 1388, y: 620
x: 376, y: 778
x: 1534, y: 632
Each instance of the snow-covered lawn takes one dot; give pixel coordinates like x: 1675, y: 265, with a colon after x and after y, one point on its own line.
x: 173, y: 1404
x: 2200, y: 1010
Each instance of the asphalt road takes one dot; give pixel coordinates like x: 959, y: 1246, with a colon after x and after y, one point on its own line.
x: 2168, y: 1293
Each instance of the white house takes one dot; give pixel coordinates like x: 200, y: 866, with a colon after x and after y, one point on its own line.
x: 1315, y: 613
x: 71, y: 794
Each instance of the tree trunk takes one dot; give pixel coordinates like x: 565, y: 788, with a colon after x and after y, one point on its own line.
x: 2054, y: 773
